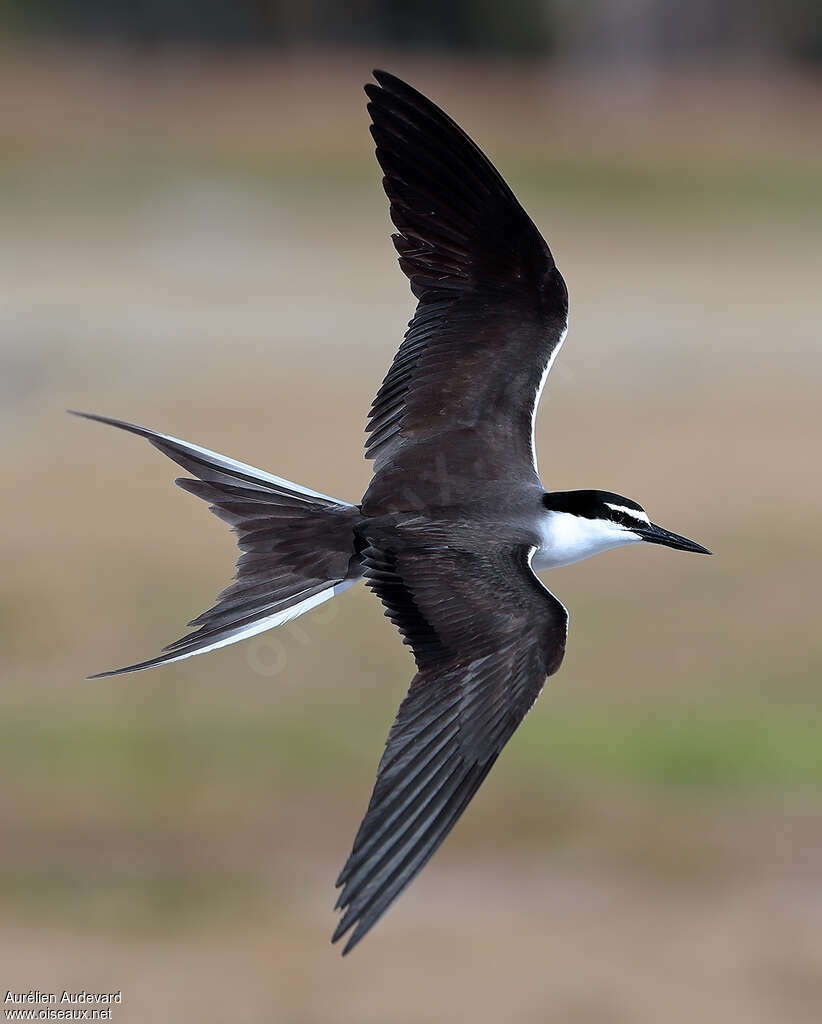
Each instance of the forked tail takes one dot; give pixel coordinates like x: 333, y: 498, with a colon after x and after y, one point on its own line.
x: 298, y: 546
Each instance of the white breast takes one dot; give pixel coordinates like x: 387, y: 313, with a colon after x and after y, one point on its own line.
x: 567, y: 538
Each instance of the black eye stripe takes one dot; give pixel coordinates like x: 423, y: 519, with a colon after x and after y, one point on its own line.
x: 595, y: 505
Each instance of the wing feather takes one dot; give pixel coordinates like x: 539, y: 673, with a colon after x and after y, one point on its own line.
x: 485, y: 634
x: 492, y: 308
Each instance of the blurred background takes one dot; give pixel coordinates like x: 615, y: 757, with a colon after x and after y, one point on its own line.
x: 194, y: 238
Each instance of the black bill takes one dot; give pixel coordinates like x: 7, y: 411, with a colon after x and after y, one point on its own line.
x: 654, y: 534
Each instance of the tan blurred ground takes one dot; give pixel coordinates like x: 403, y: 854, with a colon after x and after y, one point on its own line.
x: 202, y: 246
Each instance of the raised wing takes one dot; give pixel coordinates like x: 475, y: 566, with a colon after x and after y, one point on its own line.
x: 485, y: 634
x: 492, y: 311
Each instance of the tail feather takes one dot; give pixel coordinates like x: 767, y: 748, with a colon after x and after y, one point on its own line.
x: 298, y: 546
x: 211, y: 466
x: 196, y: 644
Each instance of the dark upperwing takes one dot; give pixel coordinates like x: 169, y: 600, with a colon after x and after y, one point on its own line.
x: 459, y: 398
x: 485, y: 634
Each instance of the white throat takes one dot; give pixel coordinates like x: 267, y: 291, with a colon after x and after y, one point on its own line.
x: 567, y: 538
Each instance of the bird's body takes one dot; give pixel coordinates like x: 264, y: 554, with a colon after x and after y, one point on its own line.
x: 455, y: 518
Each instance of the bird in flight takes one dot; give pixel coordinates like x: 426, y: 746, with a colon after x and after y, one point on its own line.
x: 455, y: 519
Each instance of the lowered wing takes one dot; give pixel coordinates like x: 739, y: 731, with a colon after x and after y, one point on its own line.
x: 485, y: 634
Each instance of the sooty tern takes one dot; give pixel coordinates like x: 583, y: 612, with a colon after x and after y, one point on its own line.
x: 455, y: 518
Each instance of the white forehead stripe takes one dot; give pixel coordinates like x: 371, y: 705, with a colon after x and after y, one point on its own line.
x: 635, y: 513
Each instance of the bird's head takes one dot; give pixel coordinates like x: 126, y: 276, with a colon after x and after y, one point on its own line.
x: 583, y: 523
